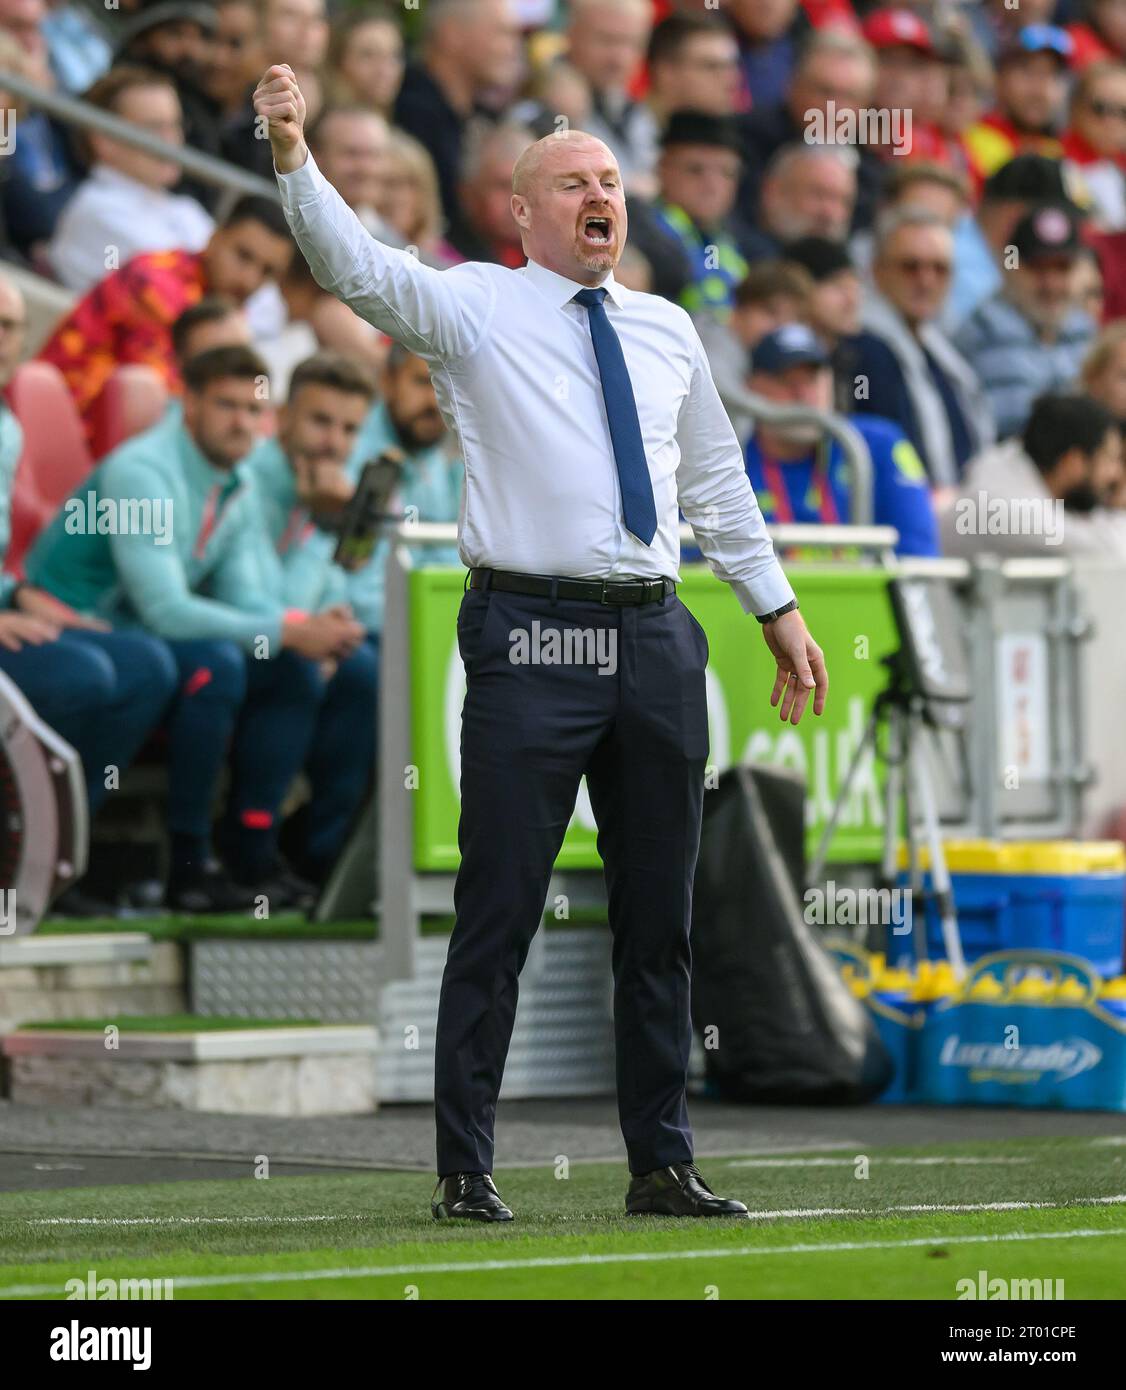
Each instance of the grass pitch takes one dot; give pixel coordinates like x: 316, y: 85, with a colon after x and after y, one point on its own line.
x: 920, y: 1221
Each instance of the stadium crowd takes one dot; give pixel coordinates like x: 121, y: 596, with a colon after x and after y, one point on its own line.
x: 914, y: 217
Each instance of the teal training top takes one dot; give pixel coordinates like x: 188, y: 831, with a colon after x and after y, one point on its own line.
x: 297, y: 564
x: 159, y: 538
x: 430, y: 490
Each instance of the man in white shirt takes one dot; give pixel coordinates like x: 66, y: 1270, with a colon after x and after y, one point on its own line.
x: 582, y: 425
x: 124, y: 206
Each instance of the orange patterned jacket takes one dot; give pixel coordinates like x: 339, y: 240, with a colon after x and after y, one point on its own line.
x: 126, y: 318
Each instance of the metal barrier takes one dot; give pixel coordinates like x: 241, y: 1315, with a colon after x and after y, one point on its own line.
x: 79, y: 113
x: 856, y: 455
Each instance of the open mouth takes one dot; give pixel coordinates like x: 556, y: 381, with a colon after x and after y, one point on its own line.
x: 597, y: 231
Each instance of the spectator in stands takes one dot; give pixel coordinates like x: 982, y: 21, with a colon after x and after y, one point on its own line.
x: 102, y: 691
x: 124, y: 205
x: 1103, y: 375
x: 768, y: 32
x: 412, y: 205
x: 693, y: 65
x: 213, y: 321
x: 128, y: 316
x: 1049, y: 491
x: 406, y: 417
x: 607, y: 42
x: 77, y: 47
x: 1031, y: 100
x: 791, y: 367
x: 1094, y: 144
x: 236, y: 55
x: 980, y: 246
x: 39, y: 170
x: 906, y: 369
x: 698, y: 176
x: 173, y: 38
x: 770, y: 294
x: 553, y: 90
x: 912, y: 73
x: 296, y: 32
x: 301, y: 483
x: 242, y: 661
x: 919, y: 183
x: 832, y: 308
x: 996, y: 22
x: 365, y: 59
x: 353, y: 143
x: 1101, y: 35
x: 835, y: 73
x: 1088, y: 287
x: 487, y: 230
x: 808, y: 190
x: 469, y: 49
x: 1030, y: 337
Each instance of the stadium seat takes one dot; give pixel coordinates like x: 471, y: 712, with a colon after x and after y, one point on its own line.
x: 55, y: 454
x: 132, y: 400
x: 55, y: 457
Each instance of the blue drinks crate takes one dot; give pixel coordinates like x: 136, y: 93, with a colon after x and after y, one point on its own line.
x: 1015, y: 1049
x: 1067, y: 896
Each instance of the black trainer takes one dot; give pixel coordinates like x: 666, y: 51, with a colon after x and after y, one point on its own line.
x: 471, y: 1196
x: 206, y: 889
x: 678, y: 1190
x: 283, y: 890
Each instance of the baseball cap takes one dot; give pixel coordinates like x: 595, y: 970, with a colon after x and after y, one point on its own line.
x: 792, y: 345
x: 898, y: 29
x: 1027, y: 178
x: 1038, y: 38
x: 1049, y: 229
x: 688, y: 127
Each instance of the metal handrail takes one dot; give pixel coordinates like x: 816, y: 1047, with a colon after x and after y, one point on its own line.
x: 784, y: 535
x: 856, y: 456
x: 204, y: 167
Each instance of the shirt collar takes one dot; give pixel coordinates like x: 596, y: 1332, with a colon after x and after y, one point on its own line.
x: 203, y: 473
x: 559, y: 290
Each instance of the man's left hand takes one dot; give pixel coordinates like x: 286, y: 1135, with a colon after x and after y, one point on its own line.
x: 801, y: 667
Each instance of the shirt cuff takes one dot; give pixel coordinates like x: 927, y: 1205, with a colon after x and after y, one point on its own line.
x: 301, y: 185
x: 764, y: 593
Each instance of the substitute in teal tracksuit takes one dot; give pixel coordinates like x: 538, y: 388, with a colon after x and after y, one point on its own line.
x: 164, y: 537
x: 407, y: 418
x: 295, y: 476
x: 101, y: 691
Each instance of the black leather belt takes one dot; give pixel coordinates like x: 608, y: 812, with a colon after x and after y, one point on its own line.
x: 592, y: 590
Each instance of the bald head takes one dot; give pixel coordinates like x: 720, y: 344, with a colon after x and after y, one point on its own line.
x: 568, y: 203
x: 553, y: 150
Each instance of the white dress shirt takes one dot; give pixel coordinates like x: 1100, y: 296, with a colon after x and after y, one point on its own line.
x: 517, y: 381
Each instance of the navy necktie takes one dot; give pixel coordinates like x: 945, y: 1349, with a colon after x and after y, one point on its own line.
x: 638, y: 508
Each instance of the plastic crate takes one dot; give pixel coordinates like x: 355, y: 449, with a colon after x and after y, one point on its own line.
x: 1049, y: 895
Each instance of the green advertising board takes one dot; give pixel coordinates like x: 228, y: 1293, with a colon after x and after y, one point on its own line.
x: 848, y: 612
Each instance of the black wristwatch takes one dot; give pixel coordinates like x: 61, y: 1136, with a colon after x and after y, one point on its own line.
x: 778, y: 612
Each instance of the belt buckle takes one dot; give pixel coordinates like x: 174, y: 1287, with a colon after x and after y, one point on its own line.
x: 604, y: 599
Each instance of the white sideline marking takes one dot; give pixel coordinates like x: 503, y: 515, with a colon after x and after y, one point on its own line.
x: 203, y: 1281
x: 851, y: 1162
x: 787, y: 1212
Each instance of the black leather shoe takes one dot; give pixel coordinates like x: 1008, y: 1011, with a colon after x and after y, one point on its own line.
x: 678, y: 1190
x: 471, y: 1196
